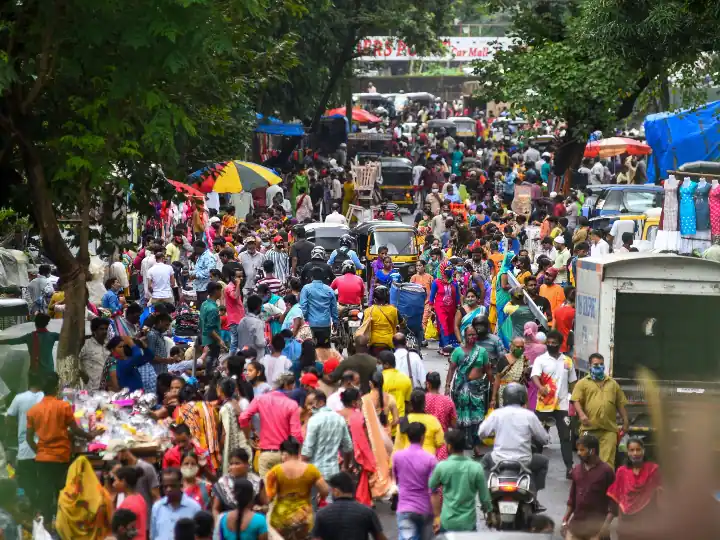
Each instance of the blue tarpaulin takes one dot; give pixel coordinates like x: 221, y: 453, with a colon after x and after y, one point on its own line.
x: 273, y: 126
x: 681, y: 137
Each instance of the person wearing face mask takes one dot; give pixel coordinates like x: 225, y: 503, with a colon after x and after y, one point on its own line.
x: 124, y: 525
x: 469, y: 373
x: 553, y: 373
x: 111, y: 300
x: 174, y: 506
x: 598, y: 399
x: 511, y: 368
x: 589, y: 508
x: 435, y: 200
x: 490, y: 342
x: 445, y: 298
x: 194, y: 487
x: 635, y: 491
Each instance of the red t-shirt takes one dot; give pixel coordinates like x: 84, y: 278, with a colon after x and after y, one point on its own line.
x: 350, y: 288
x: 564, y: 318
x: 137, y: 505
x: 559, y: 210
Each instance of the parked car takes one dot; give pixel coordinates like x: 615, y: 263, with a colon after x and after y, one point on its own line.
x: 613, y: 199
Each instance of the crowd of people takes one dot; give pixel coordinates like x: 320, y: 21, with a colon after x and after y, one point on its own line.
x: 275, y: 431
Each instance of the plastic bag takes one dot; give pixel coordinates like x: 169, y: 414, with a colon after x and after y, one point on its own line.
x: 431, y: 332
x: 39, y: 532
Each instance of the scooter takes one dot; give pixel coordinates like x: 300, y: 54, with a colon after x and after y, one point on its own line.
x: 513, y: 495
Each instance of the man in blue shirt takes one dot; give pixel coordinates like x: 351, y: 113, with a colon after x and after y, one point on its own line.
x: 110, y: 299
x: 173, y: 507
x: 319, y: 307
x: 205, y: 263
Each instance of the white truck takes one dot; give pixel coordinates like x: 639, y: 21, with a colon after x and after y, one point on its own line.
x: 654, y: 310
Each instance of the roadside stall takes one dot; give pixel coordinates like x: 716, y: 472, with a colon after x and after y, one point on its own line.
x: 125, y: 416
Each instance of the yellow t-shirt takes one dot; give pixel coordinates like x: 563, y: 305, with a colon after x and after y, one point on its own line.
x: 384, y: 323
x: 434, y: 436
x: 172, y: 252
x: 399, y: 386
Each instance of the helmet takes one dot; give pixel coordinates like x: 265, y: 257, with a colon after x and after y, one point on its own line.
x: 348, y: 266
x: 481, y: 320
x: 346, y: 240
x: 318, y: 252
x: 382, y: 294
x: 515, y: 394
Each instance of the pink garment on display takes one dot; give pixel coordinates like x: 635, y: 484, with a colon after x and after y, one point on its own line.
x: 715, y: 210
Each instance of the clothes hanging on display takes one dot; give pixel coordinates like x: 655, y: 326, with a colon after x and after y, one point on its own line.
x: 715, y: 208
x: 687, y: 207
x: 700, y: 240
x: 668, y: 237
x: 702, y: 205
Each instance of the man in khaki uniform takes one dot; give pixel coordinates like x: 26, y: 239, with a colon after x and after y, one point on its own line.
x: 598, y: 399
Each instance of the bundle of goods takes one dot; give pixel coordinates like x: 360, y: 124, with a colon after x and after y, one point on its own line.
x: 187, y: 321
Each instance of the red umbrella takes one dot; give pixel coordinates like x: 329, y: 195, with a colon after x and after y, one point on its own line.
x: 188, y: 190
x: 614, y: 146
x: 358, y: 115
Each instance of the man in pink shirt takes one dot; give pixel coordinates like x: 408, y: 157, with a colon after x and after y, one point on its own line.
x: 279, y: 419
x: 350, y: 287
x: 235, y: 309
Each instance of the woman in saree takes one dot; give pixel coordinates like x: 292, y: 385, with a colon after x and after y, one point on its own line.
x: 289, y: 485
x: 502, y: 297
x: 441, y: 407
x: 467, y: 383
x: 202, y: 420
x: 377, y: 406
x: 363, y: 466
x: 533, y: 349
x: 445, y: 298
x: 635, y: 492
x: 84, y: 507
x: 467, y: 312
x: 231, y: 436
x: 300, y: 181
x: 513, y: 367
x: 387, y: 274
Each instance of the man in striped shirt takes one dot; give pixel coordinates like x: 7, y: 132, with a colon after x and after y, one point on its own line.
x: 280, y: 259
x: 274, y: 285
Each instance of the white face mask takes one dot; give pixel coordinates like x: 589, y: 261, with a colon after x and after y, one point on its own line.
x: 189, y: 471
x: 435, y: 190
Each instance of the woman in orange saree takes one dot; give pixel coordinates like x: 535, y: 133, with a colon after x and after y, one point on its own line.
x: 202, y: 419
x: 381, y: 444
x: 364, y: 465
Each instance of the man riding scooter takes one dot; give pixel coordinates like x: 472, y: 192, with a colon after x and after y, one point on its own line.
x: 515, y: 428
x: 346, y: 252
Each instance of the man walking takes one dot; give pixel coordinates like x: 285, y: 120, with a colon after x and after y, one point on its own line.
x: 327, y: 435
x: 210, y: 326
x: 205, y: 263
x: 598, y: 399
x: 409, y: 362
x: 462, y: 479
x: 412, y: 469
x: 553, y: 373
x: 319, y: 306
x: 589, y: 509
x: 251, y: 329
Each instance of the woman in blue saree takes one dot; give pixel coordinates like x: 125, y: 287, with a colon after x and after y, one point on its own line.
x: 467, y: 312
x: 502, y: 297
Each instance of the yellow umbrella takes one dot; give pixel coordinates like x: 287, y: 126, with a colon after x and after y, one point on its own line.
x: 239, y: 176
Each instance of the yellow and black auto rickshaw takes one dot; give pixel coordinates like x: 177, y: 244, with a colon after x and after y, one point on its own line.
x: 397, y: 181
x: 399, y: 238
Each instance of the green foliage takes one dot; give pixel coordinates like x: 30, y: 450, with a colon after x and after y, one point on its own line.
x: 93, y: 95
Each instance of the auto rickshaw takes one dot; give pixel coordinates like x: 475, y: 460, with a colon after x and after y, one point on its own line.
x: 397, y: 184
x: 436, y: 126
x: 398, y: 237
x: 465, y: 129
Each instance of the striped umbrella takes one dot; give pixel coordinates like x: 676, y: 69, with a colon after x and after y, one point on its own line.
x: 234, y: 177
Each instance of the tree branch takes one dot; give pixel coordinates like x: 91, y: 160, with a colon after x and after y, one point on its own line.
x: 46, y: 64
x: 626, y: 107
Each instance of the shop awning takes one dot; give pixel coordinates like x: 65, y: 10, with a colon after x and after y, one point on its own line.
x: 274, y: 126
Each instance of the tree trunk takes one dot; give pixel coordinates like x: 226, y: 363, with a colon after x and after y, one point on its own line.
x: 73, y: 272
x: 664, y: 94
x: 348, y: 96
x: 336, y: 71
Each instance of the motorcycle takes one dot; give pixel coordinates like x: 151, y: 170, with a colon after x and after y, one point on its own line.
x: 513, y: 495
x: 350, y: 320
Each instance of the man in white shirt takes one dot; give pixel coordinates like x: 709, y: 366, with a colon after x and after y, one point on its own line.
x: 335, y: 216
x: 147, y: 263
x: 515, y: 429
x: 553, y: 373
x: 561, y: 259
x: 21, y: 404
x: 270, y: 194
x: 161, y: 280
x: 598, y: 246
x: 597, y: 173
x: 409, y: 362
x: 620, y: 227
x: 336, y: 190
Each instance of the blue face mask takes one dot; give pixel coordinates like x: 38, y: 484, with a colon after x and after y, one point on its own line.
x: 449, y: 272
x: 597, y: 372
